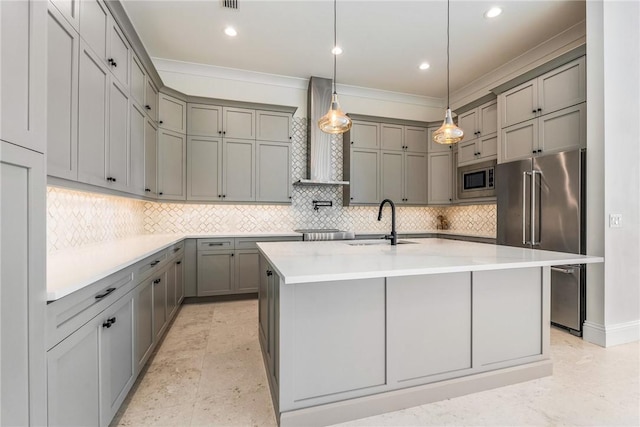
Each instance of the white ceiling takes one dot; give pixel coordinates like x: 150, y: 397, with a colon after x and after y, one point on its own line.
x: 383, y: 41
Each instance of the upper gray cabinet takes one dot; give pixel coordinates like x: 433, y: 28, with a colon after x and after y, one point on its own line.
x: 151, y: 100
x: 238, y: 170
x: 172, y: 113
x: 62, y: 96
x: 118, y: 148
x: 94, y: 27
x: 136, y: 162
x: 172, y: 152
x: 70, y: 9
x: 119, y: 54
x: 560, y: 88
x: 273, y: 176
x: 204, y: 168
x: 364, y: 135
x: 480, y: 127
x: 23, y: 78
x: 403, y: 138
x: 150, y: 159
x: 204, y: 120
x: 138, y: 80
x: 440, y: 185
x: 416, y: 139
x: 273, y: 126
x: 239, y: 123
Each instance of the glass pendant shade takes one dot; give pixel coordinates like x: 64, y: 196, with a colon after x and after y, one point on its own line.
x: 335, y: 121
x: 448, y: 133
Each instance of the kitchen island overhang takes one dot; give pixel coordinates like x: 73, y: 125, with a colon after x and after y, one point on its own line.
x: 354, y: 329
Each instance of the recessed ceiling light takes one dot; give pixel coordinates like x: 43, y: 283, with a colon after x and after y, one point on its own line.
x: 336, y: 50
x: 424, y: 66
x: 230, y: 31
x: 493, y: 12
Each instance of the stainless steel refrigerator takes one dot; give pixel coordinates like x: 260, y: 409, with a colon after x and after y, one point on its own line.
x: 541, y: 205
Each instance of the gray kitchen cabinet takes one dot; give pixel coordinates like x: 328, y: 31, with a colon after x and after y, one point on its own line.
x: 204, y: 168
x: 416, y: 139
x: 171, y: 290
x: 560, y: 88
x: 93, y: 104
x: 118, y: 146
x: 172, y: 113
x: 364, y: 177
x: 481, y: 141
x: 415, y: 178
x: 404, y: 177
x: 143, y: 303
x: 364, y: 135
x: 478, y: 149
x: 137, y: 80
x: 468, y: 122
x: 70, y: 9
x: 238, y: 123
x: 273, y: 171
x: 117, y: 369
x: 22, y: 284
x: 268, y: 319
x: 215, y: 272
x: 439, y: 188
x: 151, y: 100
x: 94, y: 27
x: 23, y: 78
x: 180, y: 279
x: 391, y: 137
x: 273, y: 126
x: 392, y: 176
x: 159, y: 305
x: 559, y: 131
x: 238, y: 170
x: 150, y: 159
x: 172, y: 151
x: 137, y: 123
x: 62, y: 96
x: 204, y: 120
x: 119, y: 54
x: 263, y: 299
x: 247, y: 274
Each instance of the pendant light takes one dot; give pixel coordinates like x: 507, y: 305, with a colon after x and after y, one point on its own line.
x: 448, y: 133
x: 335, y: 121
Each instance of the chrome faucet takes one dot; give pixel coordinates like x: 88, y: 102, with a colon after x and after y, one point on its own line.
x: 393, y: 236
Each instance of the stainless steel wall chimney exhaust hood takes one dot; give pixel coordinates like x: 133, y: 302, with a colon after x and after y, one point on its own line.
x: 319, y: 168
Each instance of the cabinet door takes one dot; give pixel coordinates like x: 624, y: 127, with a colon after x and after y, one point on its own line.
x: 159, y: 306
x: 171, y: 290
x: 415, y: 178
x: 73, y: 379
x: 519, y: 141
x: 365, y: 135
x: 488, y: 118
x: 519, y: 104
x: 365, y: 176
x: 434, y: 147
x: 150, y: 159
x: 92, y: 117
x: 62, y: 97
x: 179, y: 281
x: 247, y: 274
x: 117, y: 359
x: 467, y: 152
x: 238, y: 123
x: 172, y: 113
x: 118, y: 59
x: 563, y: 87
x: 439, y: 181
x: 488, y: 147
x: 70, y: 9
x: 23, y: 78
x: 137, y: 83
x: 392, y: 137
x: 215, y: 273
x: 273, y: 172
x: 204, y: 120
x: 137, y: 122
x: 118, y: 148
x: 263, y: 299
x: 563, y: 130
x: 238, y: 179
x: 143, y: 302
x: 204, y: 168
x: 416, y: 139
x: 94, y: 24
x: 391, y: 175
x: 22, y: 286
x: 468, y: 122
x: 151, y: 100
x: 172, y: 151
x: 273, y: 126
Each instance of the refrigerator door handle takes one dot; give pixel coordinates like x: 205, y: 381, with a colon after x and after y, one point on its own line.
x: 569, y: 270
x: 524, y: 208
x: 533, y: 207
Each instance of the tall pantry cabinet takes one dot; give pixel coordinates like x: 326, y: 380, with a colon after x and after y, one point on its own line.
x: 23, y: 81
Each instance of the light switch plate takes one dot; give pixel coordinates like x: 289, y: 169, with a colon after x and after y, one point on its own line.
x: 615, y: 220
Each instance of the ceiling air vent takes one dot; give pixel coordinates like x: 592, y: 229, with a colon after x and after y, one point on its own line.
x: 230, y: 4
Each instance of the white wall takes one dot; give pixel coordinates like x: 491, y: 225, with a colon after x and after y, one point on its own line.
x: 613, y: 145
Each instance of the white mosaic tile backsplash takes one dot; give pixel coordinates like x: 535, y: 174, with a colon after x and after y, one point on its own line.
x: 76, y: 218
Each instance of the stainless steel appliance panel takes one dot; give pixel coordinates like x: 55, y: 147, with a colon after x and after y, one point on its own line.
x: 513, y: 188
x: 476, y: 181
x: 566, y: 296
x: 557, y: 221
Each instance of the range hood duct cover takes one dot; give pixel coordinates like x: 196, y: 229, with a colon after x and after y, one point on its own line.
x: 319, y: 168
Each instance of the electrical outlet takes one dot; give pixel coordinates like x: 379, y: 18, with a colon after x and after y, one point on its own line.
x: 615, y: 220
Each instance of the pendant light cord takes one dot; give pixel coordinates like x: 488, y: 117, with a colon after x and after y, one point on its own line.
x: 335, y: 43
x: 448, y: 5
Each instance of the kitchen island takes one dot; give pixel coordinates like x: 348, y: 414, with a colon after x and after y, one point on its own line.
x: 350, y: 329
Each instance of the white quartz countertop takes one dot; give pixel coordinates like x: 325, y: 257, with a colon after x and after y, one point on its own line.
x: 305, y: 262
x: 462, y: 233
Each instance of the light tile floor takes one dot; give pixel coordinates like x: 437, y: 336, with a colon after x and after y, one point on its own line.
x: 208, y: 371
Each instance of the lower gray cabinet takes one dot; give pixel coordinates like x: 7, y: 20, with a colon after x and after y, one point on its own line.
x: 159, y: 305
x: 175, y: 286
x: 180, y: 280
x: 215, y: 272
x: 247, y: 275
x: 268, y: 318
x: 143, y: 301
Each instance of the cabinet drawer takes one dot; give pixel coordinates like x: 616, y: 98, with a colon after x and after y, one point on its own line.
x: 66, y: 315
x: 251, y: 242
x: 175, y: 250
x: 222, y: 244
x: 152, y: 263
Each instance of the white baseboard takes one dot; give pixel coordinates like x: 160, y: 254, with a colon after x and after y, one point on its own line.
x: 608, y: 336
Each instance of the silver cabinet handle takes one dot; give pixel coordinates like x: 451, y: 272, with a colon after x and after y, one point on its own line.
x: 570, y: 270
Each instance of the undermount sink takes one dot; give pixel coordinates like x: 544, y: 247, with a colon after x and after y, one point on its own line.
x: 380, y: 242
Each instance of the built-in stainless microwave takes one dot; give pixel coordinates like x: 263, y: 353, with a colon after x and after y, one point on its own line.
x: 478, y: 180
